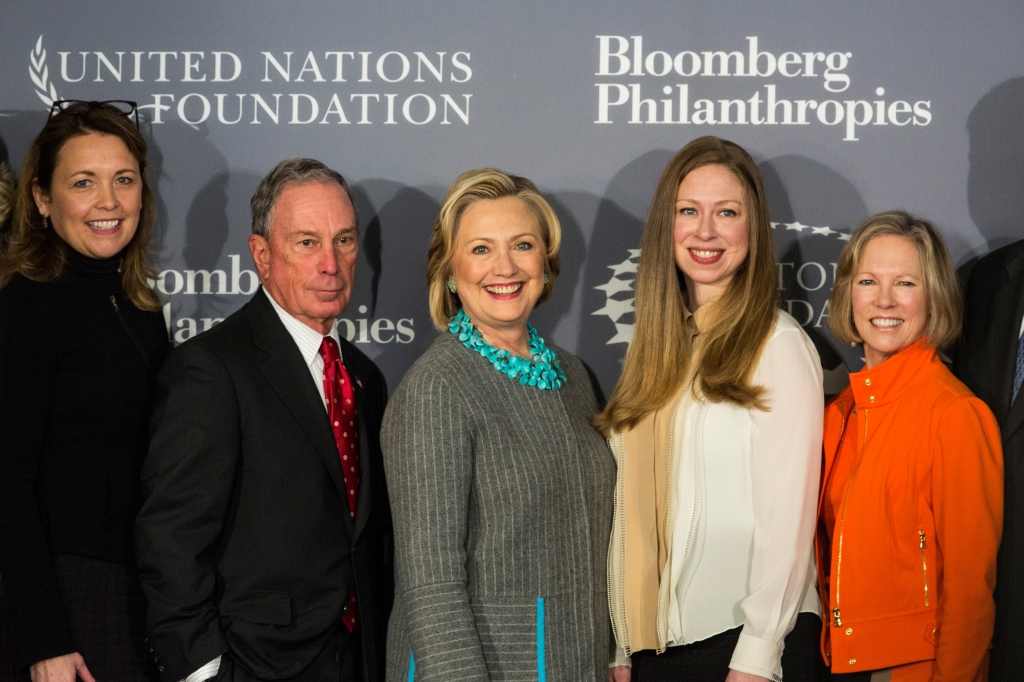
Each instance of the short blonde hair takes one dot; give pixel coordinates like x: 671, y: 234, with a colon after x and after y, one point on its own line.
x: 472, y: 186
x: 943, y: 300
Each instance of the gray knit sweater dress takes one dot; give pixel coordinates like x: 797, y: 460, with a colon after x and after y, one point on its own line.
x: 502, y: 502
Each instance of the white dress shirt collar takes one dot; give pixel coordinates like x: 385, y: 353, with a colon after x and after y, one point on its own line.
x: 306, y: 338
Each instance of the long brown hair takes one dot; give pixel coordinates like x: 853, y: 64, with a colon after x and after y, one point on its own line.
x: 658, y: 358
x: 29, y: 249
x: 6, y: 192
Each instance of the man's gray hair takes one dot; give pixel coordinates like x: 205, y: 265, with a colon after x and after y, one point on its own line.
x: 290, y: 172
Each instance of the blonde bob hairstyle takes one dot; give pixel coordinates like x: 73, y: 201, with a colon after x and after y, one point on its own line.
x: 478, y: 185
x: 658, y: 359
x: 943, y: 300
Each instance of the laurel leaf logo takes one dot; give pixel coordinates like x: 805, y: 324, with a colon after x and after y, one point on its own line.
x: 40, y: 74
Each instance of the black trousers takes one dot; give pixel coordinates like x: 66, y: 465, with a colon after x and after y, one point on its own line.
x: 340, y: 660
x: 708, y: 659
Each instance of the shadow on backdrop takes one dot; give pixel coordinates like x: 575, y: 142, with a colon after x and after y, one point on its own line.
x: 812, y: 207
x: 154, y: 174
x: 388, y: 311
x: 204, y: 224
x: 17, y: 130
x: 995, y: 182
x: 370, y: 246
x: 553, y: 313
x: 607, y: 316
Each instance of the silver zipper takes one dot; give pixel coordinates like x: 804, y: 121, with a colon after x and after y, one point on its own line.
x: 836, y: 617
x: 124, y: 325
x: 835, y: 612
x: 924, y: 565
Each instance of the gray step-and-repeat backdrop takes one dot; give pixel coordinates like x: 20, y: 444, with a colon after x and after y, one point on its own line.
x: 848, y: 107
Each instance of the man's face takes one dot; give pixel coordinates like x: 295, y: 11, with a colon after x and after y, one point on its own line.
x: 308, y: 263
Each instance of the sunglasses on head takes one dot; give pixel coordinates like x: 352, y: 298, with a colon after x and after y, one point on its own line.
x: 126, y: 107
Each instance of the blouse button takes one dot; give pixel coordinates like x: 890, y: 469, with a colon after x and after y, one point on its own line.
x: 849, y: 631
x: 871, y: 399
x: 867, y: 382
x: 853, y: 661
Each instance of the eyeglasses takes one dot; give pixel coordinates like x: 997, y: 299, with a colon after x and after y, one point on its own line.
x: 126, y: 107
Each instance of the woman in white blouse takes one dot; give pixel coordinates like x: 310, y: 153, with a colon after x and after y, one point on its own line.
x: 716, y: 428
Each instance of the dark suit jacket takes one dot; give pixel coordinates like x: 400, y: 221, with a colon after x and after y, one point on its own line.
x: 985, y: 360
x: 245, y: 543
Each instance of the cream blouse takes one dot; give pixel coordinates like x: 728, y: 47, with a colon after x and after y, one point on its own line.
x: 742, y: 499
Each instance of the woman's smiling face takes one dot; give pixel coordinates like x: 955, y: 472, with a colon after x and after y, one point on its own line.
x: 889, y: 297
x: 498, y: 264
x: 95, y: 195
x: 712, y: 231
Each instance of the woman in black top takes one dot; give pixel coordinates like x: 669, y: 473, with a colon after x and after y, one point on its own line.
x: 81, y: 339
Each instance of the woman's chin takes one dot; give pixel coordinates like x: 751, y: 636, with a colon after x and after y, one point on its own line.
x: 506, y: 313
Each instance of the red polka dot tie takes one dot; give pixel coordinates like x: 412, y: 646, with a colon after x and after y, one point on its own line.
x: 341, y: 409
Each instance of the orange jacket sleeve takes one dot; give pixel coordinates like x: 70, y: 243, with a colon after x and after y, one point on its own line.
x: 967, y: 499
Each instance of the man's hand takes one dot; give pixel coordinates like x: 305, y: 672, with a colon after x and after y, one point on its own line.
x: 619, y: 673
x: 61, y: 669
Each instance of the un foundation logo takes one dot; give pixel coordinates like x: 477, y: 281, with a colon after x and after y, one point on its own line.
x: 40, y: 74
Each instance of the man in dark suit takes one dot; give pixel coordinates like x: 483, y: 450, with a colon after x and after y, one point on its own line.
x: 264, y: 543
x: 990, y: 360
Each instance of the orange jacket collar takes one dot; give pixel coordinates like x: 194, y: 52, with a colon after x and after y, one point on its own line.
x: 889, y: 380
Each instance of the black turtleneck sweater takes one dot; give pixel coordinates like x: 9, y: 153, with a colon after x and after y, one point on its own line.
x: 77, y: 368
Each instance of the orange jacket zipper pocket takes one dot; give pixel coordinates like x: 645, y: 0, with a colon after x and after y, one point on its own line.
x: 924, y: 565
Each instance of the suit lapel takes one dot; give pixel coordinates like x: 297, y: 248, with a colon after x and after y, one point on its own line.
x: 1011, y: 297
x: 289, y: 376
x: 1015, y: 418
x: 365, y: 501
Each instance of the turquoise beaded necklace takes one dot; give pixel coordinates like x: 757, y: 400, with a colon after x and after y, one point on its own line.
x: 543, y: 371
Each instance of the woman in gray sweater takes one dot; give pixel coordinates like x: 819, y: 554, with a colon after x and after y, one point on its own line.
x: 501, y: 490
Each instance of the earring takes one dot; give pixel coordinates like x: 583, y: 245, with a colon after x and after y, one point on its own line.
x: 452, y: 286
x: 46, y: 223
x: 546, y: 278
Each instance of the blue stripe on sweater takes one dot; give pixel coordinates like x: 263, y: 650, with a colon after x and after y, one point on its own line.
x: 542, y: 673
x: 412, y: 667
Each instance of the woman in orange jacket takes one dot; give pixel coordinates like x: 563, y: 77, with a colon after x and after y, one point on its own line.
x: 911, y: 504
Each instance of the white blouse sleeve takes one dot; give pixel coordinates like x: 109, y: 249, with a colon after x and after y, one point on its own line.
x: 785, y: 472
